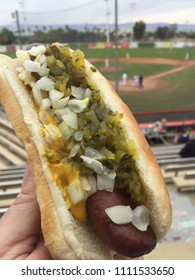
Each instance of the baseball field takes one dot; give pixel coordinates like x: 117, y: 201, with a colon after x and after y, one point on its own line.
x: 169, y: 78
x: 169, y: 82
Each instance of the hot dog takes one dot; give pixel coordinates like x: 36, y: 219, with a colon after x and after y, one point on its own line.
x: 89, y: 158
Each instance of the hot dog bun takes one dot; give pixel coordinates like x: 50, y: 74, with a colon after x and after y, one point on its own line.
x: 65, y: 237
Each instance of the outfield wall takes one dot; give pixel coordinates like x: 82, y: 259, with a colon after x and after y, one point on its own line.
x: 181, y: 115
x: 132, y: 45
x: 122, y: 45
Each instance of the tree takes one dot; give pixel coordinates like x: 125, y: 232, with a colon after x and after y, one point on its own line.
x: 6, y: 37
x: 39, y: 36
x: 172, y: 30
x: 139, y: 30
x: 161, y: 32
x: 165, y: 32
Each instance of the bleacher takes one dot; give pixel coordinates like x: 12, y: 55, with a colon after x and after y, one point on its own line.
x: 10, y: 183
x: 176, y: 170
x: 12, y: 162
x: 11, y: 149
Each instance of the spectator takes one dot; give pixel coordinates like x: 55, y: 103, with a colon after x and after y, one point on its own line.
x: 164, y: 125
x: 157, y: 127
x: 189, y: 149
x: 140, y: 81
x: 124, y: 79
x: 107, y: 64
x: 136, y: 80
x: 181, y: 137
x: 160, y: 126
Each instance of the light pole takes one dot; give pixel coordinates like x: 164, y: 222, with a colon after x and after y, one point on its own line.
x: 107, y: 22
x: 132, y: 6
x: 22, y: 3
x: 187, y: 27
x: 15, y: 15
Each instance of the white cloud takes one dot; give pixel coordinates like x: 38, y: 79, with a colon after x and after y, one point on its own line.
x: 86, y: 11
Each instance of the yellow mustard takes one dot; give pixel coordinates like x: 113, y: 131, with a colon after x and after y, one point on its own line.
x: 64, y: 175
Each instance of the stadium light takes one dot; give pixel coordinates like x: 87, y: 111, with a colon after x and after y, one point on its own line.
x: 132, y: 6
x: 15, y: 15
x: 107, y: 20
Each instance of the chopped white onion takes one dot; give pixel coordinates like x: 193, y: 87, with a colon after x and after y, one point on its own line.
x: 75, y: 193
x: 45, y: 84
x: 60, y: 103
x: 37, y: 95
x: 22, y: 56
x: 92, y: 182
x: 92, y: 153
x: 88, y: 93
x: 68, y: 116
x: 32, y: 83
x: 45, y: 104
x: 74, y: 150
x: 65, y: 130
x: 94, y: 164
x: 25, y: 76
x: 78, y: 135
x: 36, y: 50
x: 108, y: 173
x: 141, y: 217
x: 77, y: 92
x: 22, y: 75
x: 120, y: 214
x: 31, y: 66
x: 104, y: 183
x: 44, y: 71
x: 78, y: 105
x: 55, y: 95
x: 42, y: 59
x: 28, y: 77
x: 85, y: 183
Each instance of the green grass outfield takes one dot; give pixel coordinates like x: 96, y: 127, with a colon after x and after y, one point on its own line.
x: 180, y: 96
x: 141, y: 52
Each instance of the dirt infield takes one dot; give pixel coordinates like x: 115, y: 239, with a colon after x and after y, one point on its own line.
x: 153, y: 82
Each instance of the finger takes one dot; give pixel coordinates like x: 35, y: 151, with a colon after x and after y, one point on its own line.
x: 26, y: 207
x: 40, y: 252
x: 28, y: 185
x: 28, y: 188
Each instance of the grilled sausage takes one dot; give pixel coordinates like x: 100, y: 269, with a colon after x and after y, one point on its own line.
x: 124, y: 239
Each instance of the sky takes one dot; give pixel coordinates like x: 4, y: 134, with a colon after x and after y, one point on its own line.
x: 67, y: 12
